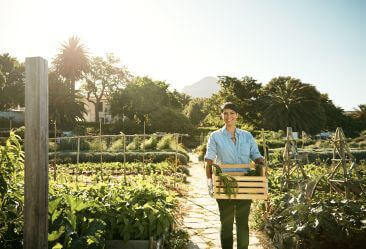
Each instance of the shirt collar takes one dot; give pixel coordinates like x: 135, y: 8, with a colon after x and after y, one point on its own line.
x: 227, y: 134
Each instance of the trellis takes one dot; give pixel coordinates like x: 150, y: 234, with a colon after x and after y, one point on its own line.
x: 345, y: 161
x: 291, y: 161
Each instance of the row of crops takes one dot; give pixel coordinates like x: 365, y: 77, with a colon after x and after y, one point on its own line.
x: 90, y: 204
x: 305, y: 217
x: 117, y: 148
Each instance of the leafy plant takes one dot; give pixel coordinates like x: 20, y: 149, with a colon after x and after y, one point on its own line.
x: 230, y: 185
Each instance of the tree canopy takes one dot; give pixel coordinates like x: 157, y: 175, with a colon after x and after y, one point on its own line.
x: 12, y: 86
x: 194, y: 111
x: 72, y: 61
x: 146, y: 100
x: 64, y: 108
x: 103, y: 78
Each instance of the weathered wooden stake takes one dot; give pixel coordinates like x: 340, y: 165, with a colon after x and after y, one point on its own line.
x: 176, y: 157
x: 124, y: 157
x: 78, y: 155
x: 36, y: 154
x: 143, y: 152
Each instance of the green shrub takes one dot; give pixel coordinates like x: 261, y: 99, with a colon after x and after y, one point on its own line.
x: 151, y: 143
x: 52, y: 146
x: 177, y: 239
x: 165, y: 142
x: 201, y: 151
x: 135, y: 144
x: 71, y: 157
x: 72, y: 144
x: 326, y: 223
x: 20, y: 131
x: 97, y: 145
x: 117, y: 145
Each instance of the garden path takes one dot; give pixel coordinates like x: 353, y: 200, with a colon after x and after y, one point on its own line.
x: 202, y: 214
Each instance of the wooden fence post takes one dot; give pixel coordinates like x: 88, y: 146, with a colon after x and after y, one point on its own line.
x: 36, y: 154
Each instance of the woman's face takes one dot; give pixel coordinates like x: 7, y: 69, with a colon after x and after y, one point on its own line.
x: 229, y: 116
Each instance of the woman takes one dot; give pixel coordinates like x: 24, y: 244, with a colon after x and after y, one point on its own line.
x: 230, y: 145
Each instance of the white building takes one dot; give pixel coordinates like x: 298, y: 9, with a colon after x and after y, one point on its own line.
x: 103, y: 108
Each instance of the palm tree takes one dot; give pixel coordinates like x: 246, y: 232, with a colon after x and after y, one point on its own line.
x: 291, y: 103
x: 360, y: 113
x: 72, y: 61
x: 64, y: 108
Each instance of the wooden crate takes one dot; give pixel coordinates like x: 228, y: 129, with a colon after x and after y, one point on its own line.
x: 249, y: 187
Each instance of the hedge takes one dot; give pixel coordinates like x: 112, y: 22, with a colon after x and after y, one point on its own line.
x: 71, y: 157
x: 318, y: 156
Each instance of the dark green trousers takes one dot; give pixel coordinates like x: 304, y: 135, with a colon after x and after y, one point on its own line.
x: 240, y: 210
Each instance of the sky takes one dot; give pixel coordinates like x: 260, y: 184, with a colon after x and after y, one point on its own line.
x: 182, y: 41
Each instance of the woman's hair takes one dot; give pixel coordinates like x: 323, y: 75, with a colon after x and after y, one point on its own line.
x: 229, y: 105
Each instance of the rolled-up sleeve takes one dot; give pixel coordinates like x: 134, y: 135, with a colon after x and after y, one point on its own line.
x: 211, y: 150
x: 254, y: 151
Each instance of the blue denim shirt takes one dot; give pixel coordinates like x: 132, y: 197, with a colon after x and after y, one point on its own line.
x: 222, y: 148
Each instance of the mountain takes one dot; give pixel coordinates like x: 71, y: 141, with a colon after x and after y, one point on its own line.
x: 203, y: 88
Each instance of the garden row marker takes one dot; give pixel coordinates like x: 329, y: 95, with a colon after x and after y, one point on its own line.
x: 36, y: 154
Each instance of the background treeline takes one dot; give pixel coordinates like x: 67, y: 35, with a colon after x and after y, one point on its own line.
x: 134, y: 100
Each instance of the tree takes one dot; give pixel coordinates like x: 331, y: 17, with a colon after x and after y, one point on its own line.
x: 291, y: 103
x: 71, y: 61
x: 12, y: 85
x: 194, y: 111
x: 146, y: 100
x: 360, y: 116
x: 336, y: 117
x: 64, y: 108
x: 102, y: 79
x: 211, y: 106
x: 179, y: 100
x: 244, y: 92
x: 360, y: 113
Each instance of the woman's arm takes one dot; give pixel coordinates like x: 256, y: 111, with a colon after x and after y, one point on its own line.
x: 209, y: 168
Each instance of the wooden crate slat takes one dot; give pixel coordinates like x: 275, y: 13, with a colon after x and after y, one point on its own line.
x: 246, y: 184
x: 243, y: 190
x: 235, y: 173
x: 249, y: 187
x: 248, y: 178
x: 242, y: 196
x: 237, y: 166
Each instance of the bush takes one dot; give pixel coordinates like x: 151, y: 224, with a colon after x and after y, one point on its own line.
x: 326, y: 223
x: 135, y: 144
x: 117, y: 145
x: 71, y: 157
x: 177, y: 239
x: 165, y: 142
x: 201, y: 151
x: 151, y: 143
x: 326, y: 156
x: 20, y: 131
x: 72, y: 144
x: 97, y: 145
